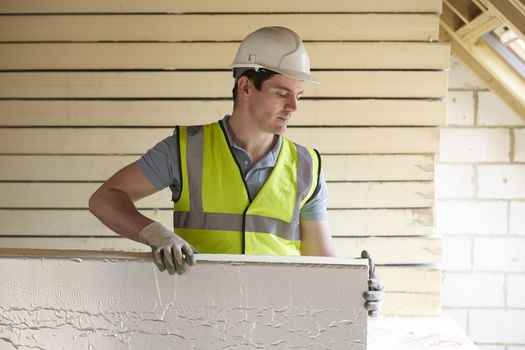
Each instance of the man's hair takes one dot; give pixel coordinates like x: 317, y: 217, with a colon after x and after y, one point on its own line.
x: 256, y: 77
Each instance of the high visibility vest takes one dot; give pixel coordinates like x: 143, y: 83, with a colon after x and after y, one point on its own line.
x: 214, y: 212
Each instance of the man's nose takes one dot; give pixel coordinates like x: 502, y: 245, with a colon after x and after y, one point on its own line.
x: 291, y: 104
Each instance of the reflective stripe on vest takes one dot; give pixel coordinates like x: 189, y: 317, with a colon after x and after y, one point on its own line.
x: 215, y: 213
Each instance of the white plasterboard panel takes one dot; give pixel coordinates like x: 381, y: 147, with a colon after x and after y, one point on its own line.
x: 216, y: 304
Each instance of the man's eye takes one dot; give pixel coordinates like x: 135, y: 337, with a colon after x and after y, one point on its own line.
x: 281, y: 94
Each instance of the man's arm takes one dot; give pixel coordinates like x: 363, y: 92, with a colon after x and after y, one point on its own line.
x: 113, y: 204
x: 316, y: 239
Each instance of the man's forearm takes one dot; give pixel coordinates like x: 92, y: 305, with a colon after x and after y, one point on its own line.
x: 316, y: 239
x: 116, y: 210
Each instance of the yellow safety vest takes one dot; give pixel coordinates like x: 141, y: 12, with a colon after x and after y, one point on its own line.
x: 214, y: 212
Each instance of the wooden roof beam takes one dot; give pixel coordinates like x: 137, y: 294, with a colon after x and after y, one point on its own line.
x: 490, y: 67
x: 464, y: 9
x: 512, y: 13
x: 469, y: 19
x: 479, y: 26
x: 478, y: 54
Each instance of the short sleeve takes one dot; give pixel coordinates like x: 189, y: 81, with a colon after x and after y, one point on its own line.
x: 315, y: 208
x: 161, y: 166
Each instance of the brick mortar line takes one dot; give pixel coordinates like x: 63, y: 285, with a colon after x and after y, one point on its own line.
x: 479, y: 200
x: 485, y: 272
x: 505, y: 295
x: 472, y: 260
x: 508, y: 219
x: 476, y: 236
x: 476, y: 107
x: 473, y: 199
x: 484, y: 308
x: 466, y: 272
x: 501, y: 163
x: 475, y: 179
x: 482, y: 127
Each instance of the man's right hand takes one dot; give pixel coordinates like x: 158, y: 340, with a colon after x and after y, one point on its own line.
x: 170, y: 252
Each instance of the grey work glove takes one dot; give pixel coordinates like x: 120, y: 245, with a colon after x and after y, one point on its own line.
x: 374, y: 295
x: 170, y: 252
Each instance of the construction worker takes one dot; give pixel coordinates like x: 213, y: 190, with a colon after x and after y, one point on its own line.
x: 238, y: 185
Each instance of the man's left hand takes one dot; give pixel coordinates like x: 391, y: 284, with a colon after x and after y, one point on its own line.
x: 374, y: 295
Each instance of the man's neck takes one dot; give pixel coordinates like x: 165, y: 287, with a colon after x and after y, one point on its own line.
x: 258, y: 144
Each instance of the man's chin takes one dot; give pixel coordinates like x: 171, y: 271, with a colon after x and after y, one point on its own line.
x: 281, y: 130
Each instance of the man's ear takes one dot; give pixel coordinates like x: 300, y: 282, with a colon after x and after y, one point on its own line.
x: 244, y: 87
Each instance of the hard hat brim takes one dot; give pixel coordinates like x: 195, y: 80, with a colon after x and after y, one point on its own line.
x: 288, y: 72
x: 297, y: 75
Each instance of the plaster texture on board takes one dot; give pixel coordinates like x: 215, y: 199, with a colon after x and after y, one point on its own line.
x: 128, y: 304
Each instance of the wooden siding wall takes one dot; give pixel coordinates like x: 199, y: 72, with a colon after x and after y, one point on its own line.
x: 86, y: 87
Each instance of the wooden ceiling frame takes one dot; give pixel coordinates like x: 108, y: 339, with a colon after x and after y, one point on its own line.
x: 464, y: 22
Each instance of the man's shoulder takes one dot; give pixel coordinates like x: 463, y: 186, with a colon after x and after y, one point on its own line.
x: 298, y: 146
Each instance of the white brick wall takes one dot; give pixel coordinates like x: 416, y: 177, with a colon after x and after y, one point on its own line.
x: 499, y: 254
x: 454, y: 181
x: 517, y: 218
x: 471, y: 217
x: 460, y: 108
x: 480, y: 211
x: 461, y: 77
x: 492, y: 110
x: 501, y: 181
x: 484, y: 145
x: 457, y: 254
x: 497, y: 326
x: 516, y: 291
x: 473, y: 289
x: 519, y: 145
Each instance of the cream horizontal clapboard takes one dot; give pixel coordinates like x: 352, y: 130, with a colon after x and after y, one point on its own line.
x: 401, y: 84
x: 411, y: 304
x: 100, y: 168
x: 341, y: 140
x: 381, y: 222
x: 323, y: 55
x: 196, y: 6
x: 218, y: 27
x: 80, y: 222
x: 342, y: 195
x: 311, y: 112
x: 385, y: 250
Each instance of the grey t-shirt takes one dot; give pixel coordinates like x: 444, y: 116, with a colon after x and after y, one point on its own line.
x: 160, y: 165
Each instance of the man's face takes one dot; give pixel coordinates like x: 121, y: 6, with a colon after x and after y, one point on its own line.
x: 271, y: 107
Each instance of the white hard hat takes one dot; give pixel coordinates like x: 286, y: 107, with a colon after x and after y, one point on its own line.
x: 278, y: 49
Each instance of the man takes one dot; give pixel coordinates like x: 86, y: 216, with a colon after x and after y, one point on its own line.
x: 238, y: 185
